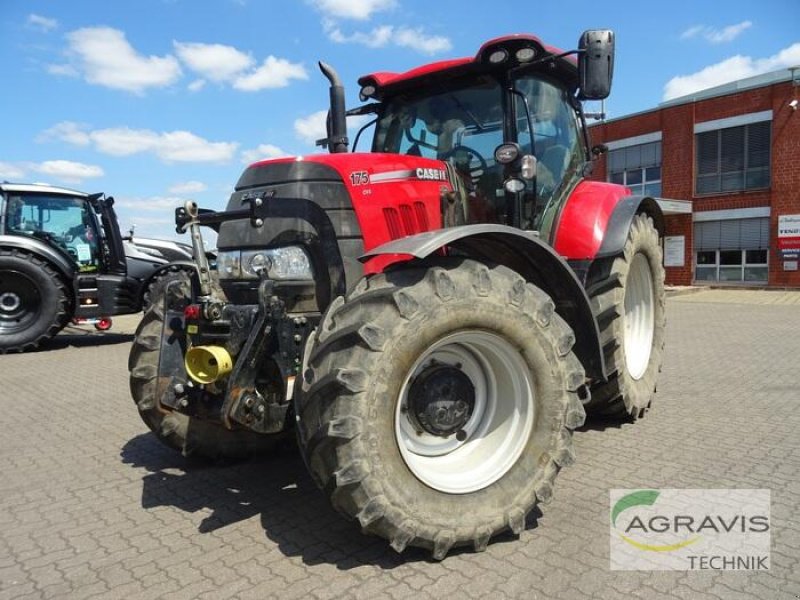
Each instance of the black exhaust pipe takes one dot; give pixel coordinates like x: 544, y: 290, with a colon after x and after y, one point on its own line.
x: 337, y: 122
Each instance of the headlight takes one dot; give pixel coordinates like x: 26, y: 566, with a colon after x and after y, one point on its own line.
x: 229, y: 265
x: 289, y: 262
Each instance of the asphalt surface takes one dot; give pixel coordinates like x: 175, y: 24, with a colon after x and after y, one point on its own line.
x: 92, y: 505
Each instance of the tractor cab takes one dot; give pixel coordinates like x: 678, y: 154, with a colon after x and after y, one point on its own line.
x: 78, y: 226
x: 509, y: 122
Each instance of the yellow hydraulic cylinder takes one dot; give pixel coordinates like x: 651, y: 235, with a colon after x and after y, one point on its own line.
x: 207, y: 364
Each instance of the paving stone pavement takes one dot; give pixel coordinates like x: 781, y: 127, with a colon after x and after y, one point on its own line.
x: 93, y: 506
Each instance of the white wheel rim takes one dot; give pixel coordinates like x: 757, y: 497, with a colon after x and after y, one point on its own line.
x: 639, y: 316
x: 496, y: 432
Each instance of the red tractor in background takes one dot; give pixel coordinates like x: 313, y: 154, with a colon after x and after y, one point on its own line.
x: 434, y: 316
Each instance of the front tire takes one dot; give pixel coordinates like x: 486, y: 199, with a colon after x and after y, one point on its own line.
x: 413, y: 465
x: 628, y: 301
x: 189, y: 435
x: 33, y: 301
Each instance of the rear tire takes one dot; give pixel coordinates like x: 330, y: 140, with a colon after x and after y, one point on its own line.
x: 628, y: 303
x: 189, y: 435
x: 361, y: 385
x: 33, y: 301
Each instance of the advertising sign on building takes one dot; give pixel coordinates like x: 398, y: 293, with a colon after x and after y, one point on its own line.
x: 789, y: 233
x: 674, y: 255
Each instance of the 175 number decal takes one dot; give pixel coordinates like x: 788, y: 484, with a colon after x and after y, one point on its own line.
x: 359, y: 178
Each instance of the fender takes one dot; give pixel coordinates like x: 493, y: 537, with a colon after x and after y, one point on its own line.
x: 526, y: 254
x: 620, y: 223
x: 64, y: 266
x: 595, y: 220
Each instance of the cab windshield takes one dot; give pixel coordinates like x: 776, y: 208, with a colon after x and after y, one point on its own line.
x: 61, y: 221
x: 462, y: 124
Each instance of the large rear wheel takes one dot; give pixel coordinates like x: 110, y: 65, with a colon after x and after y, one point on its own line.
x: 437, y: 404
x: 628, y: 296
x: 33, y: 301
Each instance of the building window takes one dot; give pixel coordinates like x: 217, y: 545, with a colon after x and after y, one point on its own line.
x: 637, y: 167
x: 733, y: 159
x: 732, y: 250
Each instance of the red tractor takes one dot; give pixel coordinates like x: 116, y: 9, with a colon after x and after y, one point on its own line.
x: 432, y: 317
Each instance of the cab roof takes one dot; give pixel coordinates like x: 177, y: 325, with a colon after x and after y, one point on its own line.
x: 40, y: 188
x: 384, y: 81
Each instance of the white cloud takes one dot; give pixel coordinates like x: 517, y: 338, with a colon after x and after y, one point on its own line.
x: 376, y: 38
x: 42, y: 23
x: 262, y: 152
x: 196, y: 85
x: 311, y: 128
x: 105, y: 57
x: 418, y: 40
x: 385, y: 35
x: 352, y: 9
x: 216, y: 62
x: 188, y: 187
x: 731, y: 69
x: 151, y: 203
x: 11, y: 172
x: 273, y: 73
x: 169, y: 146
x: 66, y: 131
x: 67, y: 170
x: 717, y: 36
x: 692, y: 32
x: 65, y: 70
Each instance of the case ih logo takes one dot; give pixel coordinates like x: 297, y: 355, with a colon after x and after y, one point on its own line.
x: 690, y: 529
x: 431, y: 174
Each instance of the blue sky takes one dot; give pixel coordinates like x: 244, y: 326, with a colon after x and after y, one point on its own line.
x: 156, y: 101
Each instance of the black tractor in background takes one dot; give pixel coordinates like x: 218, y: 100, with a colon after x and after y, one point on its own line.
x: 63, y: 258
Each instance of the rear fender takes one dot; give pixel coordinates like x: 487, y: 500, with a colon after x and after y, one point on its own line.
x: 526, y: 254
x: 595, y: 220
x: 65, y: 267
x: 620, y: 223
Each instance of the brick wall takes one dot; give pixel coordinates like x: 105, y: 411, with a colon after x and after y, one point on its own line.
x: 676, y: 124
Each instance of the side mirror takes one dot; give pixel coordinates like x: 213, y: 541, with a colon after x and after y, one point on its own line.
x: 596, y: 63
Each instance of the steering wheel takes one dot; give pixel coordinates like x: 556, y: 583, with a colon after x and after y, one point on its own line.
x: 459, y: 153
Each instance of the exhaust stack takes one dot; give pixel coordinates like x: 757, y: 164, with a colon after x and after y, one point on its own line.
x: 337, y: 126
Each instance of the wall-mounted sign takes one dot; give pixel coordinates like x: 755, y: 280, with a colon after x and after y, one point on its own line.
x: 789, y: 226
x: 790, y: 265
x: 788, y: 234
x: 674, y: 250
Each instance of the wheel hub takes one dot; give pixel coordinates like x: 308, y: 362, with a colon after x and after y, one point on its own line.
x: 441, y: 400
x: 465, y: 411
x: 9, y: 302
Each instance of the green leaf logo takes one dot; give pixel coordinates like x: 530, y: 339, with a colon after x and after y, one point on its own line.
x: 638, y: 498
x: 644, y: 498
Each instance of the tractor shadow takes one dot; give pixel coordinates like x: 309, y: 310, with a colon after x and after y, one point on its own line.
x: 598, y: 423
x: 84, y: 340
x: 294, y: 514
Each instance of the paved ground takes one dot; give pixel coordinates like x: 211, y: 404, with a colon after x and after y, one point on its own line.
x: 91, y: 505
